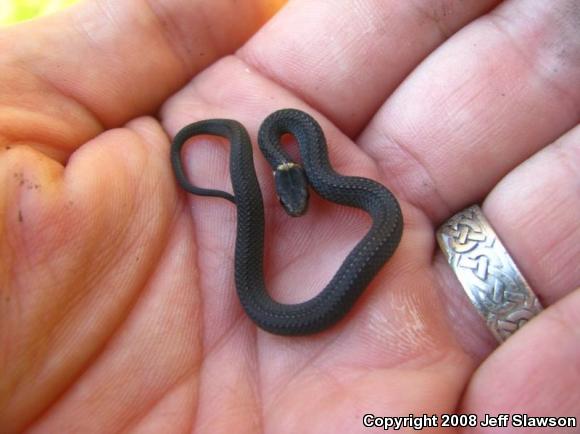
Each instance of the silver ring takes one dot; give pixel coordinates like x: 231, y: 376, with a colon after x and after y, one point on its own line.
x: 489, y: 276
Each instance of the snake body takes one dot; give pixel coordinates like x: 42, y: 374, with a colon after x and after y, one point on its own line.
x: 362, y: 263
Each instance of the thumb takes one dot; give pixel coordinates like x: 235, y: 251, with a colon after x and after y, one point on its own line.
x: 103, y: 62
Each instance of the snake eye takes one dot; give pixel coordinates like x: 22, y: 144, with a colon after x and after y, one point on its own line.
x: 292, y: 188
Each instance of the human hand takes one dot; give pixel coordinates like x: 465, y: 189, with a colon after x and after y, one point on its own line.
x: 118, y: 308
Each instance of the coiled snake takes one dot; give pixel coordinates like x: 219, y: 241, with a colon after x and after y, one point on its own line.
x: 362, y: 263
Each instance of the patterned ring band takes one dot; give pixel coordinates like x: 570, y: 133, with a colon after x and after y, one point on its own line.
x: 488, y: 274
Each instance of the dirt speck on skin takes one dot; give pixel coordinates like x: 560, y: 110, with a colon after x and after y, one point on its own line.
x: 7, y: 299
x: 23, y: 182
x: 20, y: 217
x: 19, y: 176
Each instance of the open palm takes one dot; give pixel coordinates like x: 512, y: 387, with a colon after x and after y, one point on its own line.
x: 118, y: 310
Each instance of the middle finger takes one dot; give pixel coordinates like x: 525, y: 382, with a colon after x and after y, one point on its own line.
x: 345, y: 57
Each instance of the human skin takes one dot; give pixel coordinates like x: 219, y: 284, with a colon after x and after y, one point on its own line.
x: 118, y: 310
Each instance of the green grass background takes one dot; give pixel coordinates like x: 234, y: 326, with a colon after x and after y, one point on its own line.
x: 13, y: 11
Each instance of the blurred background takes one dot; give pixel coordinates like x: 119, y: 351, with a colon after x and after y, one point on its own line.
x: 13, y: 11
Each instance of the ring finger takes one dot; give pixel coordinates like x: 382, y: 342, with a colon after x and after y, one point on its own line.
x: 534, y: 211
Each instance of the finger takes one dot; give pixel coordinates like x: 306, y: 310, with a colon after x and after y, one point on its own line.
x: 485, y: 101
x: 345, y: 57
x: 104, y: 62
x: 534, y: 211
x: 540, y: 384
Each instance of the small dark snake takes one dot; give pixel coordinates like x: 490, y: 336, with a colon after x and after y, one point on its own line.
x: 362, y: 263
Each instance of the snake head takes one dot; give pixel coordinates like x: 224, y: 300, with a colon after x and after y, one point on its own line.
x: 292, y: 188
